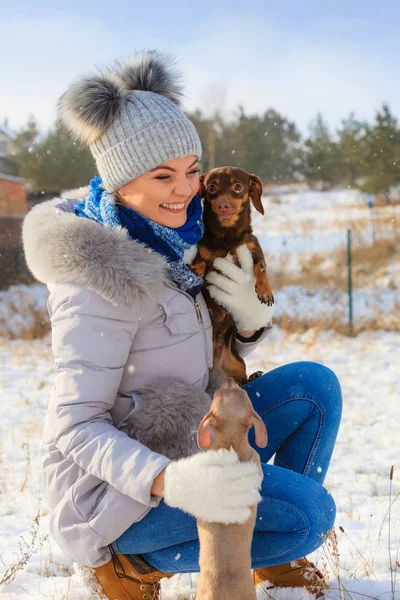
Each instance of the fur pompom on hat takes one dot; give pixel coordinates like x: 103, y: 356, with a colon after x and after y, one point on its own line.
x: 130, y: 116
x: 151, y: 72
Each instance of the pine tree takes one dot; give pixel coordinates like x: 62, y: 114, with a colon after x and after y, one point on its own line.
x: 382, y: 154
x: 53, y: 161
x: 64, y: 163
x: 203, y: 127
x: 322, y: 160
x: 268, y: 145
x: 351, y: 143
x: 25, y: 153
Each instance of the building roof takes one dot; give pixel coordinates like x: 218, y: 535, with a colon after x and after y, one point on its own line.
x: 12, y: 178
x: 7, y: 131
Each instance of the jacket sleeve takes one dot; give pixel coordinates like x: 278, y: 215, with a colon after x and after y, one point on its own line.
x: 246, y: 346
x: 91, y: 340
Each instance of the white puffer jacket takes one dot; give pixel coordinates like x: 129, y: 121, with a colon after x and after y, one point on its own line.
x: 117, y: 322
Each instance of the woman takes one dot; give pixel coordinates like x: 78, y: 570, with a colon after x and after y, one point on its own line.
x: 125, y: 309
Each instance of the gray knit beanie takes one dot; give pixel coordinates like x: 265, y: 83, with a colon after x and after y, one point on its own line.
x: 130, y: 117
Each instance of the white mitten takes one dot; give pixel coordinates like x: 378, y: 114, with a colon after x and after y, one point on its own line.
x: 235, y: 290
x: 213, y: 486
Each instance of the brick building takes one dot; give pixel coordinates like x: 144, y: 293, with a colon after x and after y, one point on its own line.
x: 12, y: 196
x: 13, y: 207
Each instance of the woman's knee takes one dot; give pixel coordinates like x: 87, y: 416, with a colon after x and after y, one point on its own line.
x: 328, y: 392
x: 320, y: 515
x: 306, y: 378
x: 289, y: 497
x: 296, y: 518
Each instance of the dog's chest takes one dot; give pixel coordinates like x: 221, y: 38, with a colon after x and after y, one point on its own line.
x: 209, y: 255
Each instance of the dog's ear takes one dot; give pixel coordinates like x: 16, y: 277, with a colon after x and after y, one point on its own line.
x: 260, y: 429
x: 255, y: 193
x: 203, y: 432
x: 202, y: 189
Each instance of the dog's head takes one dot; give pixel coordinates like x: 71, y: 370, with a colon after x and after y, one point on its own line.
x: 231, y: 415
x: 227, y: 192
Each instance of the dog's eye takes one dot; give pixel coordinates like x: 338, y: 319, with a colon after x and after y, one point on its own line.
x: 238, y: 187
x: 212, y: 188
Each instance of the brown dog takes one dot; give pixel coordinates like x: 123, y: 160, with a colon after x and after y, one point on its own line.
x: 225, y: 550
x: 227, y: 193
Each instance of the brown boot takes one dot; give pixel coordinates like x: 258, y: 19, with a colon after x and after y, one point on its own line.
x: 298, y: 573
x: 133, y: 579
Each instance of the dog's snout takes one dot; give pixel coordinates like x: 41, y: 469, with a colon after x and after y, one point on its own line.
x: 223, y: 204
x: 230, y: 382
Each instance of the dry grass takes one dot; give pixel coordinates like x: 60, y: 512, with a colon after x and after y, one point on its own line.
x: 322, y: 271
x: 25, y: 551
x: 38, y: 329
x: 381, y: 200
x: 328, y: 273
x: 390, y: 322
x: 334, y: 322
x: 36, y: 324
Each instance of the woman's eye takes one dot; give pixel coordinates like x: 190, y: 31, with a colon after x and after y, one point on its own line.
x: 212, y: 188
x: 238, y: 187
x: 166, y: 177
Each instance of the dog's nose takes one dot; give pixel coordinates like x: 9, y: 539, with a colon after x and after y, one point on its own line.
x: 229, y: 382
x: 223, y: 205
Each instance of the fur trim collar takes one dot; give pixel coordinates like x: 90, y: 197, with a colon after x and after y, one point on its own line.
x: 59, y: 246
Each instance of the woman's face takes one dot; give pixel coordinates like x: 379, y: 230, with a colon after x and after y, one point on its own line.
x: 163, y: 194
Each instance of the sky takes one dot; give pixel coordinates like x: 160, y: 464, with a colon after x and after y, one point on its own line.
x: 298, y: 57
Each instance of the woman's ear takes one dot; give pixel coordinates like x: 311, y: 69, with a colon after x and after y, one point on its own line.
x: 260, y: 429
x: 202, y: 189
x: 203, y: 432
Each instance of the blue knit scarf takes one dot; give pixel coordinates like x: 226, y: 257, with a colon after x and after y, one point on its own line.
x: 102, y: 207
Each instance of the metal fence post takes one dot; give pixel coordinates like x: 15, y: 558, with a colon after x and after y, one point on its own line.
x: 370, y: 200
x: 350, y: 282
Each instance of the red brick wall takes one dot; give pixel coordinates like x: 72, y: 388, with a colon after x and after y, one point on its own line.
x: 12, y: 198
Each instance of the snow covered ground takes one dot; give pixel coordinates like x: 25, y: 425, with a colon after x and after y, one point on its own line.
x: 318, y: 221
x: 368, y: 504
x: 368, y: 445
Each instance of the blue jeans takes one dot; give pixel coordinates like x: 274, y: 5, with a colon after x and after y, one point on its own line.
x: 300, y: 404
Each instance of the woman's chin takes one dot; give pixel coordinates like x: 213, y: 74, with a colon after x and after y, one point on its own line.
x: 174, y: 220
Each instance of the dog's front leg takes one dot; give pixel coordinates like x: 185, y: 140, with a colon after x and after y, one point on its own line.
x: 263, y: 288
x: 199, y: 266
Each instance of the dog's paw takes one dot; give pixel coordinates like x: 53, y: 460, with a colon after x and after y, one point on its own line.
x: 199, y: 268
x: 265, y: 295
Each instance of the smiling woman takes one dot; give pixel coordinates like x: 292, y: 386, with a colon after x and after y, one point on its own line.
x: 129, y: 319
x: 122, y: 295
x: 165, y: 192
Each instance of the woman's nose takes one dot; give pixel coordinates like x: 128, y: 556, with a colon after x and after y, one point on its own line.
x: 182, y: 187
